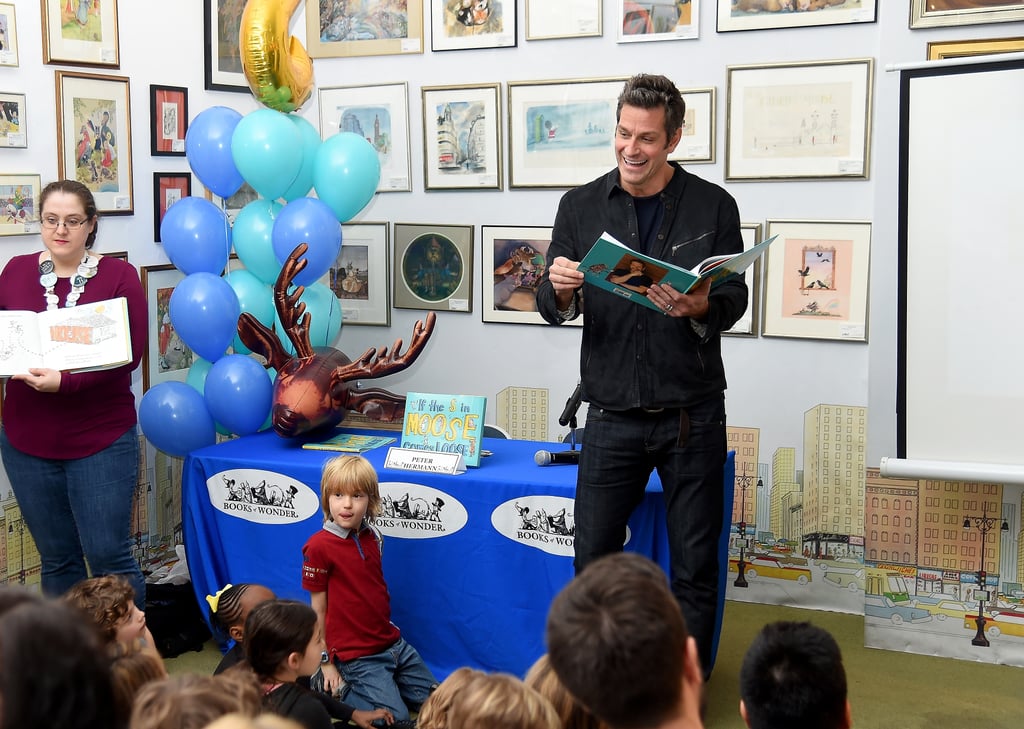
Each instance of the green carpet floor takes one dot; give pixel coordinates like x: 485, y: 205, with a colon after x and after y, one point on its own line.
x: 888, y: 689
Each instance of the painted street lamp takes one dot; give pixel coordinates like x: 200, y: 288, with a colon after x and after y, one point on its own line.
x: 983, y: 524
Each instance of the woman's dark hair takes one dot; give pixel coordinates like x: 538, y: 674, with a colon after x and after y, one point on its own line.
x: 84, y: 194
x: 274, y: 630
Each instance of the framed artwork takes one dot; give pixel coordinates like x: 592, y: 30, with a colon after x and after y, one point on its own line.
x: 122, y: 255
x: 924, y: 14
x: 938, y: 50
x: 378, y: 113
x: 820, y: 125
x: 168, y: 120
x: 166, y: 358
x: 8, y: 35
x: 747, y: 324
x: 168, y: 188
x: 234, y: 204
x: 94, y: 138
x: 80, y: 33
x: 458, y: 25
x: 366, y: 28
x: 561, y: 132
x: 18, y: 197
x: 13, y: 131
x: 816, y: 280
x: 434, y: 267
x: 361, y: 275
x: 223, y: 63
x: 657, y: 20
x: 546, y: 20
x: 697, y: 144
x: 461, y: 138
x: 757, y: 15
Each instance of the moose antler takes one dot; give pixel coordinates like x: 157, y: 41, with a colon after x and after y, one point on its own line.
x: 292, y: 312
x: 378, y: 362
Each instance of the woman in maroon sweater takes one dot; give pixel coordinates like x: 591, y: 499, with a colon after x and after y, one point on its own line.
x: 68, y: 441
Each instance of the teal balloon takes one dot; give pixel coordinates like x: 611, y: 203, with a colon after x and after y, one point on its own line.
x: 263, y: 148
x: 208, y: 149
x: 324, y: 317
x: 253, y: 237
x: 254, y: 297
x: 196, y: 235
x: 204, y: 311
x: 346, y: 174
x: 310, y: 145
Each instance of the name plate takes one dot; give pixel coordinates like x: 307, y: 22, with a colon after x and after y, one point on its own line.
x: 411, y: 459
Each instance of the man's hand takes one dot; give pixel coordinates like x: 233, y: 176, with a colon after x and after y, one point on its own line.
x: 41, y: 379
x: 365, y: 719
x: 565, y: 278
x: 673, y: 303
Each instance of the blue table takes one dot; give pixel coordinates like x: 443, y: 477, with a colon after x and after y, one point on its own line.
x: 472, y: 561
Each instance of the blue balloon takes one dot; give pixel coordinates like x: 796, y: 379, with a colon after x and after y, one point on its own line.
x: 264, y: 149
x: 204, y: 311
x: 310, y: 145
x: 325, y: 317
x: 196, y: 378
x: 238, y: 393
x: 252, y: 235
x: 346, y: 174
x: 255, y: 297
x: 208, y: 149
x: 307, y: 220
x: 196, y: 235
x: 174, y: 418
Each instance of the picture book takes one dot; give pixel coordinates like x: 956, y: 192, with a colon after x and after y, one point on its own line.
x: 350, y: 443
x: 445, y: 423
x: 77, y: 339
x: 616, y: 267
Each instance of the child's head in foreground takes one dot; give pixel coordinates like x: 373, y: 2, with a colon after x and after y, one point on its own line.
x: 348, y: 488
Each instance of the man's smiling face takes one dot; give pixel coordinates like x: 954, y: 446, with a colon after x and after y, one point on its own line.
x: 641, y: 150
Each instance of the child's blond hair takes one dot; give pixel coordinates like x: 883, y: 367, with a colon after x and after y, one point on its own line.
x: 349, y: 475
x: 501, y: 701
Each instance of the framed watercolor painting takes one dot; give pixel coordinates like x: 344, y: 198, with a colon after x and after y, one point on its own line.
x: 816, y: 280
x: 924, y: 14
x: 747, y: 324
x: 458, y: 25
x: 94, y: 139
x: 18, y: 196
x: 168, y: 188
x: 819, y: 128
x: 80, y: 33
x: 13, y: 129
x: 434, y: 267
x: 461, y: 138
x: 166, y: 357
x: 657, y: 20
x: 222, y: 61
x: 360, y: 277
x: 365, y: 28
x: 757, y: 15
x: 378, y: 113
x: 546, y: 20
x: 561, y: 132
x: 697, y: 144
x: 8, y: 35
x: 168, y: 120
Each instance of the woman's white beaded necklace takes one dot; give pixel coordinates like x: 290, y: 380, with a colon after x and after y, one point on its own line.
x: 48, y: 280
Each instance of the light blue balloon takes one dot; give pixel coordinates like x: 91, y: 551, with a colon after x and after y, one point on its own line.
x: 196, y: 378
x: 196, y: 235
x: 255, y: 297
x: 325, y: 317
x: 253, y: 238
x: 208, y: 149
x: 307, y: 220
x: 174, y: 418
x: 265, y: 148
x: 204, y: 311
x: 346, y: 174
x: 238, y: 393
x: 310, y: 145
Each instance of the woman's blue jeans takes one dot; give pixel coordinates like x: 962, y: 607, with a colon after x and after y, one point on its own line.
x: 79, y: 511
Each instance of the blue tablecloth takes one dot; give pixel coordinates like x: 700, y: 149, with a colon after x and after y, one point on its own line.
x: 472, y: 561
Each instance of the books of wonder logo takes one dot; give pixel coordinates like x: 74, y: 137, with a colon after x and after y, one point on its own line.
x: 414, y: 511
x: 265, y: 497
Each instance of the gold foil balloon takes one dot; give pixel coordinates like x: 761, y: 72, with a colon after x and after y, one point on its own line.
x: 277, y: 67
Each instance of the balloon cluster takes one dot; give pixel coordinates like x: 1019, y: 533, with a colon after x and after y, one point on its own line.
x: 282, y: 158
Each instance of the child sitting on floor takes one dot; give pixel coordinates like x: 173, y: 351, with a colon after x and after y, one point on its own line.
x: 229, y: 609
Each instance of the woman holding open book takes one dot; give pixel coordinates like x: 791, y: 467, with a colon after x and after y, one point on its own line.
x: 68, y: 440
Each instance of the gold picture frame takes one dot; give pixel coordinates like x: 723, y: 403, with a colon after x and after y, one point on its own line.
x: 320, y: 42
x: 939, y: 50
x: 87, y: 36
x: 964, y: 12
x: 8, y: 35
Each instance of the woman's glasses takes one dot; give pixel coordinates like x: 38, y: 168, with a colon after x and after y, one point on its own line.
x: 52, y: 222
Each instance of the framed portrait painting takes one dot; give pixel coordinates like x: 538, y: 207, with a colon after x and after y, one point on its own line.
x: 367, y: 28
x: 166, y: 357
x: 816, y: 280
x: 925, y: 14
x: 168, y: 188
x: 659, y: 20
x: 18, y: 197
x: 80, y: 33
x: 434, y: 267
x: 94, y: 139
x: 461, y: 138
x: 747, y: 324
x: 733, y: 15
x: 222, y: 59
x: 458, y: 25
x: 168, y: 120
x: 697, y: 143
x: 546, y: 20
x: 360, y: 277
x: 13, y: 129
x: 8, y: 35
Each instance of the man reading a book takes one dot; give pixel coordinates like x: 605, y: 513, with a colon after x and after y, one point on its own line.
x: 656, y: 390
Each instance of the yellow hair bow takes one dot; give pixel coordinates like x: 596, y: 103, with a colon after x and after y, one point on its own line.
x: 214, y: 600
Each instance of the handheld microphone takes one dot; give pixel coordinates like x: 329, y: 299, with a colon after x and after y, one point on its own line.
x: 571, y: 405
x: 564, y: 458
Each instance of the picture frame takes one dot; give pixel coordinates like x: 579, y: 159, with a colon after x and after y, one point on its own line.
x: 546, y: 20
x: 166, y: 357
x: 121, y: 255
x: 939, y: 50
x: 816, y: 280
x: 168, y: 120
x: 19, y: 195
x: 657, y: 20
x: 433, y: 267
x: 13, y: 128
x: 95, y: 110
x: 361, y: 275
x: 168, y: 188
x: 458, y: 25
x: 539, y: 158
x: 234, y: 204
x: 965, y: 12
x: 379, y: 113
x: 222, y: 64
x: 730, y: 17
x: 8, y: 35
x: 86, y: 36
x: 801, y: 139
x: 747, y: 324
x: 697, y: 144
x: 462, y: 137
x: 323, y: 42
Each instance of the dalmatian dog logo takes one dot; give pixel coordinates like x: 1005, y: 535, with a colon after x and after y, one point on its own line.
x: 414, y: 511
x: 262, y: 496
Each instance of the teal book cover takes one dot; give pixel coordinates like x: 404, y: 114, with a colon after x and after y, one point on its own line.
x: 445, y: 423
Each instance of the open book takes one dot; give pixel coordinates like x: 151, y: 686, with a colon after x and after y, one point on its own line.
x: 618, y: 268
x: 82, y: 338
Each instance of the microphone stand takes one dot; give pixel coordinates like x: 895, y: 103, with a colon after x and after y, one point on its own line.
x: 568, y: 417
